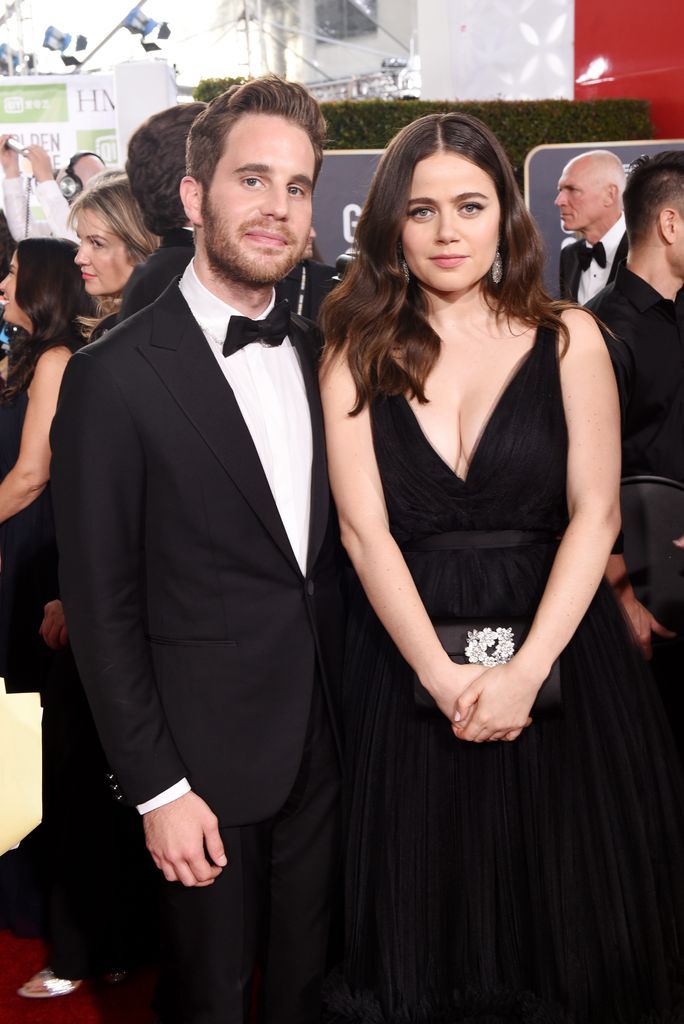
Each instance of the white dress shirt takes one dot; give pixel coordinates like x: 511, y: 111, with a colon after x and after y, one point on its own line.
x: 54, y: 205
x: 269, y: 388
x: 594, y: 278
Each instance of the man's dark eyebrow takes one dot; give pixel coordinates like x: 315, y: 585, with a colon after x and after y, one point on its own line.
x: 300, y: 179
x: 255, y: 168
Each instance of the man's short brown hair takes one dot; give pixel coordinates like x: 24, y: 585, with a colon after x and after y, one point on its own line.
x: 269, y: 95
x: 156, y: 166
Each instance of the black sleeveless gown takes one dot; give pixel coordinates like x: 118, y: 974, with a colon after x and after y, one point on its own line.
x: 28, y: 569
x: 538, y: 881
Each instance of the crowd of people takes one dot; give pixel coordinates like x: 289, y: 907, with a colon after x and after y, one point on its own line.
x: 344, y: 674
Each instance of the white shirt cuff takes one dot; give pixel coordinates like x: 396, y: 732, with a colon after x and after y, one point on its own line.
x: 172, y: 793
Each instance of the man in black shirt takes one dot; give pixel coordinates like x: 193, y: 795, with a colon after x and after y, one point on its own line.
x: 644, y: 308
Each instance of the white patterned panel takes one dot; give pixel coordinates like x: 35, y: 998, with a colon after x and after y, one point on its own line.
x: 508, y: 49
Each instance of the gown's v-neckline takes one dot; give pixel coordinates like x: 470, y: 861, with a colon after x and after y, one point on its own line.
x: 524, y: 360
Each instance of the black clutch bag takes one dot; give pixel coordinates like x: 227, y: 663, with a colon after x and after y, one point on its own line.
x: 490, y: 642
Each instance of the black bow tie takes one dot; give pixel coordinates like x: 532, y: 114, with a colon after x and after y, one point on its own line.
x: 587, y: 253
x: 271, y: 330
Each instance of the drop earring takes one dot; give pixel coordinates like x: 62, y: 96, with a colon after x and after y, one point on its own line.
x: 497, y: 268
x: 402, y: 262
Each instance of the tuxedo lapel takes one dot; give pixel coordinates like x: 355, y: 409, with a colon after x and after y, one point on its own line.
x: 320, y: 491
x: 575, y: 271
x: 180, y: 355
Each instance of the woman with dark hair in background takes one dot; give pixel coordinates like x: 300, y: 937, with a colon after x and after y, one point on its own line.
x: 44, y: 297
x: 501, y: 867
x: 7, y: 330
x: 91, y: 847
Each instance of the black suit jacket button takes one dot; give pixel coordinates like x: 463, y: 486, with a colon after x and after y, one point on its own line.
x: 310, y: 588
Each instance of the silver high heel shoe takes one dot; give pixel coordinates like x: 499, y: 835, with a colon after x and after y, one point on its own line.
x: 46, y: 985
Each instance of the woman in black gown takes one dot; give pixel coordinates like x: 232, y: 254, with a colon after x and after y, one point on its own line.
x: 101, y: 918
x: 43, y: 297
x: 499, y: 868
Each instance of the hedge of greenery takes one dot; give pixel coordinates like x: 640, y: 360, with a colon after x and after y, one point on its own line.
x: 210, y: 87
x: 519, y: 125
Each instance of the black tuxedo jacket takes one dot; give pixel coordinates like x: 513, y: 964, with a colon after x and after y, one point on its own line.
x: 151, y: 278
x: 570, y: 270
x: 195, y: 632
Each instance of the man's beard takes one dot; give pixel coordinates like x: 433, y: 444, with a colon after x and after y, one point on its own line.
x: 228, y: 260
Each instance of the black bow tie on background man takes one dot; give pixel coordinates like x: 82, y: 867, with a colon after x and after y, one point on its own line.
x: 271, y: 331
x: 587, y: 253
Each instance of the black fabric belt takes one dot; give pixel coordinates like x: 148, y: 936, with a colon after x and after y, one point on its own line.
x: 481, y: 539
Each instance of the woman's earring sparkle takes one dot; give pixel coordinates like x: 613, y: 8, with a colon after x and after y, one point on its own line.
x: 497, y: 268
x: 402, y: 262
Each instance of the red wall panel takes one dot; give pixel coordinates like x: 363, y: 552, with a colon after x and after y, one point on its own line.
x: 633, y: 49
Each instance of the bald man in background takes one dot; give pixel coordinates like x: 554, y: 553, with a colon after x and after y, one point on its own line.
x: 590, y: 203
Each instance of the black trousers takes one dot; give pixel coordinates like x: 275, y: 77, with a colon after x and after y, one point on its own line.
x: 271, y: 905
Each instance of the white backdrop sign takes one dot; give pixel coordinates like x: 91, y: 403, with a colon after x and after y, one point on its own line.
x: 63, y: 114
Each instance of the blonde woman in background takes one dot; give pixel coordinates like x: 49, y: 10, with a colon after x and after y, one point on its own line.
x: 113, y: 240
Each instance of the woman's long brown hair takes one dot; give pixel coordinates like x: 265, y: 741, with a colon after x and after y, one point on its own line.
x: 49, y: 289
x: 375, y: 317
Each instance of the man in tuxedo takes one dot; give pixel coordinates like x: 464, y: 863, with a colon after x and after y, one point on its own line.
x: 199, y: 573
x: 308, y: 282
x: 155, y: 167
x: 590, y: 203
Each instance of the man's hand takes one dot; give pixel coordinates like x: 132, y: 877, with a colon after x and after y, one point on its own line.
x: 41, y: 164
x: 53, y: 628
x: 177, y: 835
x: 8, y: 158
x: 642, y: 622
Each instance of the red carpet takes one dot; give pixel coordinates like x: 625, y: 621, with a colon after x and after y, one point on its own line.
x: 92, y: 1003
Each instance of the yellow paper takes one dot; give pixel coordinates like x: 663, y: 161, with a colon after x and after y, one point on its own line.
x: 21, y: 804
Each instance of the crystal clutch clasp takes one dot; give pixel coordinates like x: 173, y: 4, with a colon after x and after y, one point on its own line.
x: 490, y: 647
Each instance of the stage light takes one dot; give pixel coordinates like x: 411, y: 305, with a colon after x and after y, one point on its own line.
x: 56, y: 40
x: 7, y: 56
x: 60, y: 41
x: 137, y: 23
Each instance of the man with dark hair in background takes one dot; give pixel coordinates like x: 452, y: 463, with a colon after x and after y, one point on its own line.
x: 644, y: 308
x: 155, y: 166
x: 199, y: 565
x: 308, y: 282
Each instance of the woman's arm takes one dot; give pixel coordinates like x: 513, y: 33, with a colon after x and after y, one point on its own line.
x: 29, y: 475
x: 385, y: 577
x: 504, y: 695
